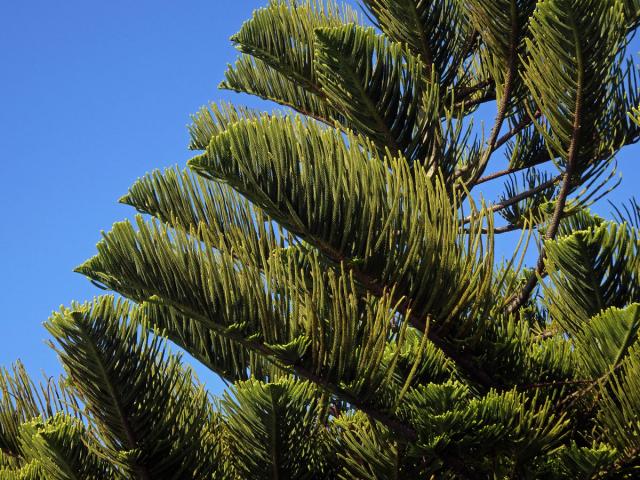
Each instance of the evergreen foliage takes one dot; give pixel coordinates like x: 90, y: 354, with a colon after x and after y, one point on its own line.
x: 332, y: 261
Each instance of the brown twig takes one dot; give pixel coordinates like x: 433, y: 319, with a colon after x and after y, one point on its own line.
x: 516, y: 198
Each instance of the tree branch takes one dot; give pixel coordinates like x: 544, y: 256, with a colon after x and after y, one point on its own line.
x: 501, y: 173
x: 487, y: 97
x: 572, y: 157
x: 569, y: 401
x: 542, y: 158
x: 516, y: 198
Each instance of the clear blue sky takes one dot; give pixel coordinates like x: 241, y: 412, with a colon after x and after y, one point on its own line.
x: 92, y: 96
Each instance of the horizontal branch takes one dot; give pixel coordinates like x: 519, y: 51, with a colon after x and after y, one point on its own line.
x: 516, y: 198
x: 545, y: 335
x: 499, y: 230
x: 543, y: 158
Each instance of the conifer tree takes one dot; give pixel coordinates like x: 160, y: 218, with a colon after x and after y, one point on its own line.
x: 334, y: 262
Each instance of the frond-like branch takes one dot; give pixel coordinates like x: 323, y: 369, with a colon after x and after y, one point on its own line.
x: 212, y: 212
x: 591, y: 270
x: 60, y: 446
x: 380, y: 87
x: 321, y: 330
x: 371, y: 204
x: 434, y: 30
x: 153, y: 421
x: 279, y: 48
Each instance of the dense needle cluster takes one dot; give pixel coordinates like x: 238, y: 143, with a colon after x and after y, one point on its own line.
x: 333, y: 262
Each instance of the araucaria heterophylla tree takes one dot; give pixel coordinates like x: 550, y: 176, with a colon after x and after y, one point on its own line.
x: 334, y: 262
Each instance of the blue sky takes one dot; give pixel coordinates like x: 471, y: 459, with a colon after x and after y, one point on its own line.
x: 92, y: 96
